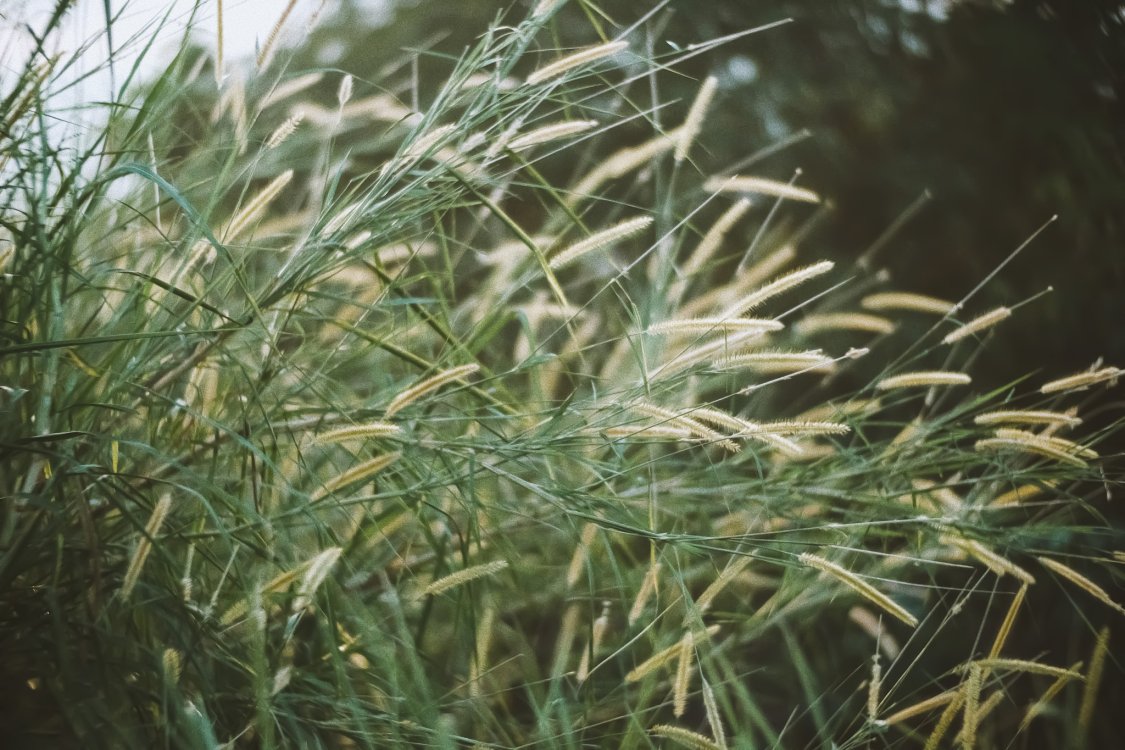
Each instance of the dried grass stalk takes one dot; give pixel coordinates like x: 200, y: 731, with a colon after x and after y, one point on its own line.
x: 760, y: 186
x: 860, y: 586
x: 578, y: 59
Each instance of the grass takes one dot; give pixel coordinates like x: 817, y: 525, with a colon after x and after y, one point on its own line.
x: 332, y: 423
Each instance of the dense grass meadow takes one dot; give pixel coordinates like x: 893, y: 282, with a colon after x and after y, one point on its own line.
x: 351, y: 411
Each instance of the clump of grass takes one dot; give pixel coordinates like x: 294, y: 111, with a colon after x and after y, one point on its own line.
x: 457, y: 434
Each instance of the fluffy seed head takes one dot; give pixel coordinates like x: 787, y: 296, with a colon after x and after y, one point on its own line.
x: 578, y: 59
x: 976, y: 325
x: 316, y: 571
x: 777, y: 286
x: 462, y: 577
x: 906, y: 301
x: 1027, y: 416
x: 283, y: 131
x: 695, y: 116
x: 600, y: 240
x: 760, y: 186
x: 1083, y: 380
x: 923, y: 380
x: 551, y: 133
x: 416, y: 391
x: 816, y: 323
x: 860, y: 586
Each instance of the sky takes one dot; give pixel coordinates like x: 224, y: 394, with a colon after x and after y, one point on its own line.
x: 246, y: 25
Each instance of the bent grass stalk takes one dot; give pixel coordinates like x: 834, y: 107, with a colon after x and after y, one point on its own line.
x: 1023, y: 665
x: 926, y: 379
x: 693, y: 123
x: 1027, y: 416
x: 702, y: 254
x: 599, y: 241
x: 736, y: 566
x: 777, y: 363
x: 144, y: 546
x: 977, y: 325
x: 427, y: 386
x: 316, y: 571
x: 922, y: 707
x: 461, y: 577
x: 357, y: 473
x: 682, y: 682
x: 1061, y: 444
x: 684, y: 737
x: 817, y: 323
x: 1080, y: 581
x: 662, y: 657
x: 778, y: 286
x: 1030, y: 445
x: 761, y: 186
x: 860, y: 586
x: 922, y: 303
x: 1045, y: 700
x: 548, y: 133
x: 1009, y: 620
x: 714, y: 718
x: 1093, y: 680
x: 703, y: 326
x: 695, y: 427
x: 576, y: 60
x: 644, y: 593
x: 997, y: 564
x: 1083, y: 380
x: 358, y: 432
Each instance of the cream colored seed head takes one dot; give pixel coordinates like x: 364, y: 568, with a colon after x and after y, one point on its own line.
x: 578, y: 59
x: 976, y: 325
x: 711, y: 241
x: 1083, y: 380
x: 816, y: 323
x: 344, y: 92
x: 714, y: 325
x: 354, y: 432
x: 283, y: 131
x: 860, y: 586
x: 1062, y: 444
x: 778, y: 286
x: 923, y: 380
x: 420, y: 389
x: 549, y: 133
x: 600, y: 240
x: 685, y: 737
x: 906, y: 301
x: 761, y: 186
x: 461, y: 577
x: 315, y: 573
x: 695, y: 116
x: 1027, y: 416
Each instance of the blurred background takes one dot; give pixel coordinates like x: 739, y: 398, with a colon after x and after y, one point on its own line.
x: 1003, y: 113
x: 944, y: 132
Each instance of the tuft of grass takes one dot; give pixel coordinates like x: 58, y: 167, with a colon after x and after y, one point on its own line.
x: 336, y: 420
